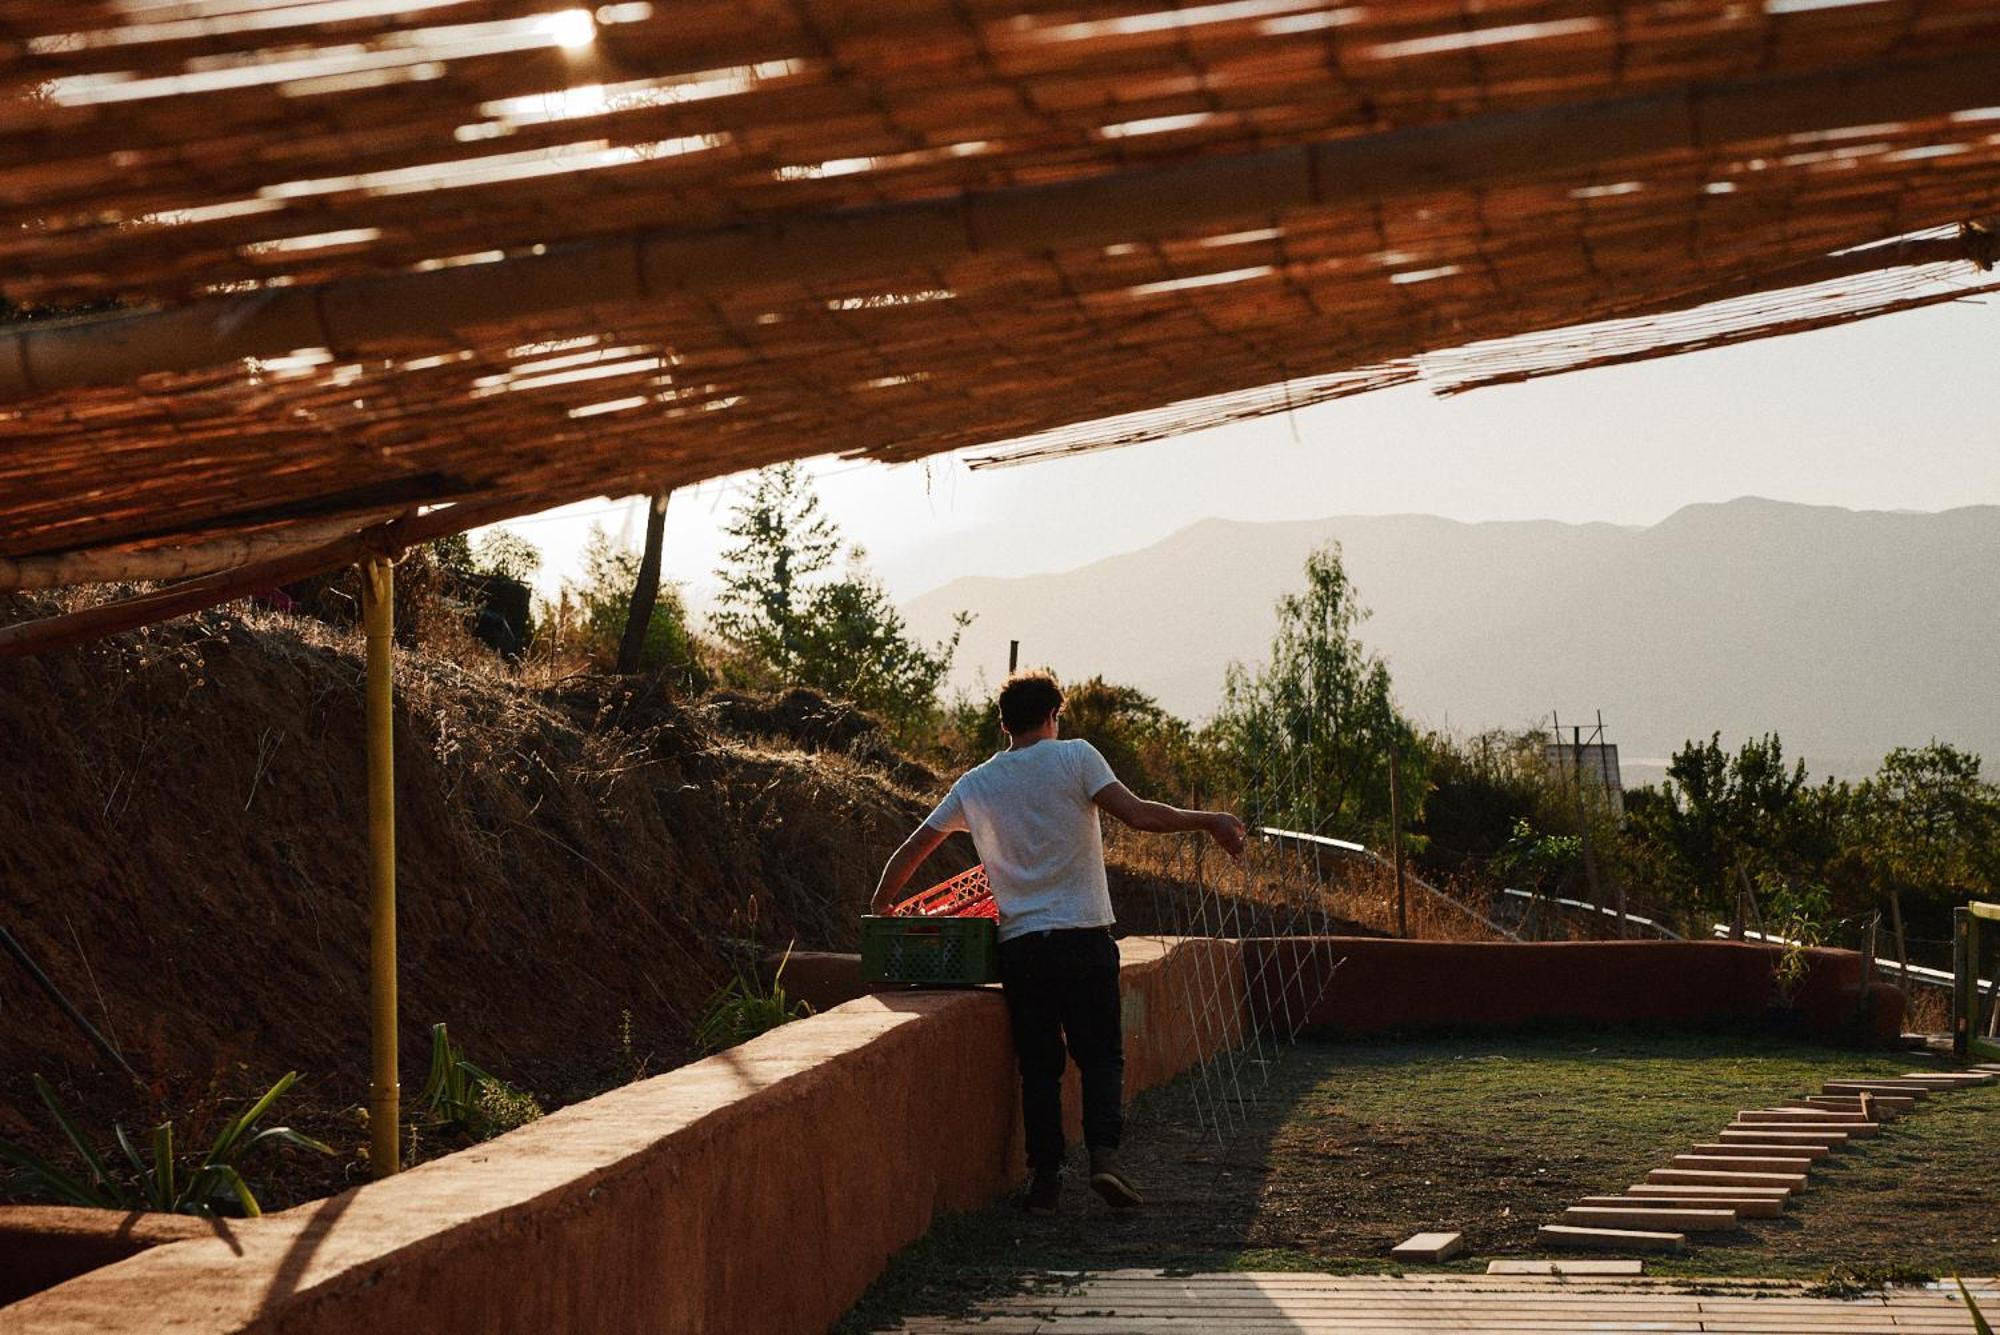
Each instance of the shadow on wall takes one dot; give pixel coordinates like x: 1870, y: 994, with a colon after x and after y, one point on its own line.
x: 764, y: 1189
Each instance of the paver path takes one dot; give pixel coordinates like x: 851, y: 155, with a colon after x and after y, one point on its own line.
x: 1230, y: 1304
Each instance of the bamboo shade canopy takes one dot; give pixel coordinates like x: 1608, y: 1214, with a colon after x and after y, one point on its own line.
x: 291, y: 269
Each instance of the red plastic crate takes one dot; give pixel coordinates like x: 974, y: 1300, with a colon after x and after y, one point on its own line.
x: 966, y: 895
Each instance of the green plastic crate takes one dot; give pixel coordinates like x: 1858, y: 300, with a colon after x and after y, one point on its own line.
x: 956, y: 951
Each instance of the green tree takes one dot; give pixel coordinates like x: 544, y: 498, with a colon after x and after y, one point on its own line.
x: 837, y: 634
x: 849, y: 641
x: 1309, y: 733
x: 1156, y: 754
x: 781, y: 540
x: 1721, y: 819
x: 604, y: 597
x: 499, y: 551
x: 1930, y: 825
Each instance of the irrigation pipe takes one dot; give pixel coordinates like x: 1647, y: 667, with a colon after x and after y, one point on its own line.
x: 1360, y: 851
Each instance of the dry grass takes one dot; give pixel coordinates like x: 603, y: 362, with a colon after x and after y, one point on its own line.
x: 1276, y: 888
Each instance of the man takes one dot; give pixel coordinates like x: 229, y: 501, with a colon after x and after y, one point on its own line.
x: 1032, y: 813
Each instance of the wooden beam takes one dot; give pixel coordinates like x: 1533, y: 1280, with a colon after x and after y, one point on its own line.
x: 1558, y: 142
x: 104, y: 566
x: 224, y: 586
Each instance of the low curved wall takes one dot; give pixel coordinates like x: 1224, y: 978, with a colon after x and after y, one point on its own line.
x: 764, y: 1188
x: 1366, y: 985
x: 759, y: 1190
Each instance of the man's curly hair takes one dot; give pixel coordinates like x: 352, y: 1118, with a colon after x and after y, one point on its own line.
x: 1027, y: 700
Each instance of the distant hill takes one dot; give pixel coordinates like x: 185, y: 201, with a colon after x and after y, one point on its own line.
x: 1848, y: 632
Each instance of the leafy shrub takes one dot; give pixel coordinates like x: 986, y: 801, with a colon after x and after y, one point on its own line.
x: 589, y: 619
x: 1309, y: 732
x: 743, y: 1008
x: 463, y: 1097
x: 781, y: 611
x: 158, y: 1180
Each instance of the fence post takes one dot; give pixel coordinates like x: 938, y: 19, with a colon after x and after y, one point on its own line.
x: 1396, y: 824
x: 1964, y: 980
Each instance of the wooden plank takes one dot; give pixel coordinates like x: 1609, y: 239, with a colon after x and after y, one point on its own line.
x: 1708, y: 1177
x: 1886, y: 1105
x: 1429, y: 1247
x: 1820, y: 1116
x: 1610, y: 1239
x: 1859, y: 1130
x: 1746, y: 1207
x: 1516, y: 1266
x: 1732, y: 1163
x: 1947, y: 1078
x: 1686, y: 1219
x: 1739, y: 1149
x: 1909, y: 1088
x: 1712, y: 1189
x: 1788, y: 1135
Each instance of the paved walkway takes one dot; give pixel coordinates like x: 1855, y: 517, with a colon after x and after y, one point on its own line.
x: 1146, y: 1301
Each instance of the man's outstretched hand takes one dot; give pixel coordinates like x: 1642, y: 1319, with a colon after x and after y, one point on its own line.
x: 1228, y: 832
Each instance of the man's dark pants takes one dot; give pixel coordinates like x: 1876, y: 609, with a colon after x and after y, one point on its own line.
x: 1064, y: 984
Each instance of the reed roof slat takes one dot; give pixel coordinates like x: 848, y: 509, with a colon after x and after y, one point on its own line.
x: 493, y: 253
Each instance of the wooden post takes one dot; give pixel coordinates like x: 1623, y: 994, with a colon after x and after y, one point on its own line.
x: 1013, y: 656
x: 1750, y: 896
x: 1902, y: 946
x: 1583, y: 825
x: 1964, y: 980
x: 378, y: 596
x: 1396, y: 826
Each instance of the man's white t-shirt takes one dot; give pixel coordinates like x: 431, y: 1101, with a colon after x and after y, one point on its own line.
x: 1031, y: 818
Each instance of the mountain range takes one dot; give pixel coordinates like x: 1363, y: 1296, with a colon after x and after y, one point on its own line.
x: 1846, y: 632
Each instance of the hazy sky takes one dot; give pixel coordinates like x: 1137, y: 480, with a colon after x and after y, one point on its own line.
x: 1897, y: 413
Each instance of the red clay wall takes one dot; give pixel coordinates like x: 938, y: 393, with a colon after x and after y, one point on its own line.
x: 1382, y: 985
x: 759, y: 1190
x: 764, y: 1188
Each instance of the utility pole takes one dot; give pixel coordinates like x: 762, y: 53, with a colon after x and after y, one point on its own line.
x: 1013, y: 656
x: 1396, y: 826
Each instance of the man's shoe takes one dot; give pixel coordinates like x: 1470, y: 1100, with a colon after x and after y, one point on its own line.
x: 1108, y: 1180
x: 1044, y: 1194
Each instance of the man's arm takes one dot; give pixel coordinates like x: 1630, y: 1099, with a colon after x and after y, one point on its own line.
x: 1159, y: 818
x: 903, y: 864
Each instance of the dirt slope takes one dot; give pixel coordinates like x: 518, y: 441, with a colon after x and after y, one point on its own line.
x: 182, y: 841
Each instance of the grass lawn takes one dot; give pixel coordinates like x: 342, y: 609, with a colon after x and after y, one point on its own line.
x: 1351, y: 1147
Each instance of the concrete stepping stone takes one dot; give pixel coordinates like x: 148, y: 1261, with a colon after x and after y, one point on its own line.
x: 1746, y: 1207
x: 1687, y: 1219
x: 1516, y: 1266
x: 1710, y: 1177
x: 1854, y: 1130
x: 1609, y: 1239
x: 1766, y: 1134
x: 1740, y: 1150
x: 1429, y: 1247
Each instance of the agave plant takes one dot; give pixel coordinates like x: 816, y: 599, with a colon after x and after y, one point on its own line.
x: 1979, y: 1325
x: 742, y: 1009
x: 459, y: 1094
x: 157, y: 1180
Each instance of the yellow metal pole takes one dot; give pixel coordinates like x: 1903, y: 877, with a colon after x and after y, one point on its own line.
x: 378, y: 594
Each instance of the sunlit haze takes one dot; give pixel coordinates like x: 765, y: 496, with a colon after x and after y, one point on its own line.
x: 1896, y: 413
